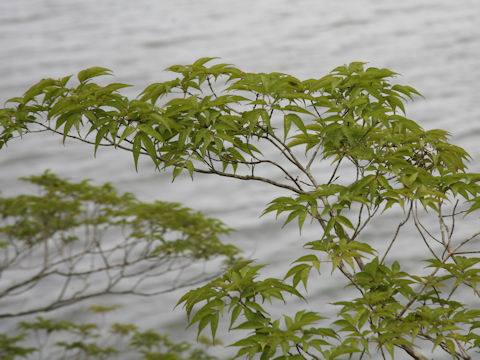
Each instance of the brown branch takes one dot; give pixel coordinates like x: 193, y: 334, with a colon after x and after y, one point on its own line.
x: 396, y: 233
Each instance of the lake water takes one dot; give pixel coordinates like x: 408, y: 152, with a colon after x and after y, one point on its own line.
x: 434, y: 44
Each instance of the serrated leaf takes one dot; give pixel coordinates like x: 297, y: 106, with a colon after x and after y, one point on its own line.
x: 148, y: 144
x: 297, y: 120
x: 98, y: 139
x: 295, y: 269
x: 345, y: 221
x: 92, y: 72
x: 136, y: 148
x: 214, y: 324
x: 236, y: 311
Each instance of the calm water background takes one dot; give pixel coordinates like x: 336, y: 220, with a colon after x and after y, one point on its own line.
x: 434, y: 44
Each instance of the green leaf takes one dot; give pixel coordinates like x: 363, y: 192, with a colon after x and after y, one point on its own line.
x: 236, y: 311
x: 190, y: 168
x: 148, y: 144
x: 92, y: 72
x: 129, y: 130
x: 151, y: 132
x: 249, y: 325
x: 203, y: 61
x: 136, y: 148
x: 296, y: 269
x: 343, y: 220
x: 99, y: 137
x: 297, y: 120
x: 252, y: 118
x: 214, y: 324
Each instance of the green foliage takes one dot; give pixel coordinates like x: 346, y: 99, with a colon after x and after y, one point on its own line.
x: 94, y: 341
x: 75, y: 235
x: 9, y: 349
x: 220, y: 120
x: 63, y: 207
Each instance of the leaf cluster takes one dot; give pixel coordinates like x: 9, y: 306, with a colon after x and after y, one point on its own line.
x: 93, y: 341
x: 346, y: 152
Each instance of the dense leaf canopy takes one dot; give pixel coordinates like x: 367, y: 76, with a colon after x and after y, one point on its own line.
x: 220, y: 120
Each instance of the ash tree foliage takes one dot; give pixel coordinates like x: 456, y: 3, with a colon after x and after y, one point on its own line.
x: 220, y: 120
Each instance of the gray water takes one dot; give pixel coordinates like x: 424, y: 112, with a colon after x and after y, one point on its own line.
x: 434, y: 44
